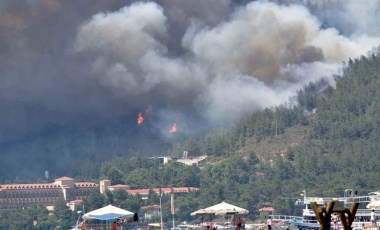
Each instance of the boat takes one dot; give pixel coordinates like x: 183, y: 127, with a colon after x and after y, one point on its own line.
x: 308, y: 219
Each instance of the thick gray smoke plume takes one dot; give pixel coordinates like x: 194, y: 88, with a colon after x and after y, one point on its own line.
x: 199, y: 63
x: 256, y: 57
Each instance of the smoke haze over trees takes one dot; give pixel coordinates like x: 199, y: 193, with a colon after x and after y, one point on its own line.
x: 74, y: 75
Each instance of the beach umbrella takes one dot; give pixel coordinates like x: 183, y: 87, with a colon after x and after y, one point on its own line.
x: 201, y: 212
x: 109, y: 212
x: 221, y: 209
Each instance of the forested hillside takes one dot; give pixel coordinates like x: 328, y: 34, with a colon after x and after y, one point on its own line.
x: 342, y: 147
x: 340, y: 128
x: 328, y: 141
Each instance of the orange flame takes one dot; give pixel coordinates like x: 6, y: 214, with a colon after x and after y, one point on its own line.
x: 173, y: 129
x: 140, y: 118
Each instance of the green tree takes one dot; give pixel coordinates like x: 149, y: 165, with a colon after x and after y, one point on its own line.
x: 63, y: 214
x: 94, y: 201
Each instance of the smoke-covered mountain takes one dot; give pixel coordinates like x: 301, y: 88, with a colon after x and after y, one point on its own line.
x: 74, y: 75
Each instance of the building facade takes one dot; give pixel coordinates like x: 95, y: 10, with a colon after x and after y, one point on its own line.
x: 16, y: 196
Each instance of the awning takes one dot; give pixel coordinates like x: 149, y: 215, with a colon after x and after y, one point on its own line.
x: 107, y: 213
x: 221, y: 209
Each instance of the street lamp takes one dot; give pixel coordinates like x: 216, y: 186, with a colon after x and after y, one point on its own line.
x: 304, y: 195
x: 76, y: 225
x: 161, y: 224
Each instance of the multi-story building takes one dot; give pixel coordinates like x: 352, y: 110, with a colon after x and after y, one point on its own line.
x: 14, y: 196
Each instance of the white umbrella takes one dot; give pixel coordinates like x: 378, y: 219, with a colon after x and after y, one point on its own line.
x: 201, y: 212
x: 374, y: 204
x: 107, y: 213
x: 198, y: 212
x: 221, y: 209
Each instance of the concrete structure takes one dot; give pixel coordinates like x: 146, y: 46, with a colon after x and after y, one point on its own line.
x: 265, y: 212
x: 14, y: 196
x: 119, y: 186
x: 192, y: 161
x: 164, y: 160
x: 184, y: 160
x: 145, y: 191
x: 104, y: 184
x: 166, y: 191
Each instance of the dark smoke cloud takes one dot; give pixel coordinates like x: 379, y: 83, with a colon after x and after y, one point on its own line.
x: 43, y: 81
x: 199, y: 63
x: 229, y: 68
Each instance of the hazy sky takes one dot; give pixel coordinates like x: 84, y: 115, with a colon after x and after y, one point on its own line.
x: 198, y: 62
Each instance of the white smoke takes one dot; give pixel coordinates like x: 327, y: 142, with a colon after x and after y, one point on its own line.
x: 350, y: 17
x: 257, y: 58
x: 366, y: 15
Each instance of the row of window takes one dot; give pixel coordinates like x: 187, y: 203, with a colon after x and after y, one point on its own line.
x: 28, y: 200
x: 43, y: 193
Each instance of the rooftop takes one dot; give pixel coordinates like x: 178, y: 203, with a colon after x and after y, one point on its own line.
x: 64, y: 178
